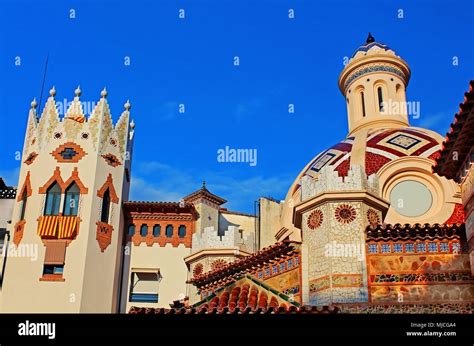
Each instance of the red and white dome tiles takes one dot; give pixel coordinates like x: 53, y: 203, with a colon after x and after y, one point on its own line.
x: 382, y: 146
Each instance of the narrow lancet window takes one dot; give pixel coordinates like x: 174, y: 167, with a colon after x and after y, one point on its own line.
x: 362, y: 102
x: 379, y: 92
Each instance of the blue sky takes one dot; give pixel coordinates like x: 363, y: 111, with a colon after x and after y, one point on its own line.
x: 190, y: 61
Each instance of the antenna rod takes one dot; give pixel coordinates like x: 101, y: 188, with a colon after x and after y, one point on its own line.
x: 44, y: 78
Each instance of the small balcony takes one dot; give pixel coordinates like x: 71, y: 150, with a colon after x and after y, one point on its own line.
x: 58, y: 227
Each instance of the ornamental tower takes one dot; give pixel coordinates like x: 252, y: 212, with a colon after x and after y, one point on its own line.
x: 67, y: 220
x: 381, y: 173
x: 374, y: 83
x: 333, y: 216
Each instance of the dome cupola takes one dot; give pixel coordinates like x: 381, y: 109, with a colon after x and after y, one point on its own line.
x: 374, y: 83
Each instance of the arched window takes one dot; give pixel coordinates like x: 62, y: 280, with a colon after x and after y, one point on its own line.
x: 362, y: 102
x: 71, y: 202
x: 380, y: 96
x: 53, y: 198
x: 144, y: 230
x: 169, y: 231
x: 156, y: 230
x: 131, y: 229
x: 24, y: 198
x: 182, y: 231
x: 104, y: 214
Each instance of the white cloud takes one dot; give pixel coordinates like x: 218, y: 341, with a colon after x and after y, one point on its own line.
x: 157, y: 181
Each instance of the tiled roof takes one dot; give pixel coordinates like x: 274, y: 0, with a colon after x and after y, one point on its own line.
x: 6, y: 192
x: 206, y: 194
x: 459, y: 139
x: 415, y: 232
x: 247, y: 264
x: 237, y: 310
x: 157, y: 207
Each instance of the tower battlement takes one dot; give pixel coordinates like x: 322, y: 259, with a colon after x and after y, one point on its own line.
x: 232, y: 238
x: 74, y: 176
x: 329, y: 180
x: 97, y: 129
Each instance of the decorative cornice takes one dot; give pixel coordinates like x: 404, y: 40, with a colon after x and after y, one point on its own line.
x: 397, y: 65
x: 341, y: 196
x: 415, y: 232
x: 156, y: 210
x: 374, y: 68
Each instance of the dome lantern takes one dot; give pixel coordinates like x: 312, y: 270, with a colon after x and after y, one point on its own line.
x: 374, y: 83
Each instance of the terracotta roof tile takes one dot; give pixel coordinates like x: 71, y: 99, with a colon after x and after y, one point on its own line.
x: 415, y: 232
x: 206, y: 194
x: 237, y: 268
x: 282, y: 309
x: 459, y: 139
x: 158, y: 207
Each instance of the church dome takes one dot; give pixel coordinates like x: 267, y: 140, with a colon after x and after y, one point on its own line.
x: 376, y: 148
x: 382, y: 142
x: 402, y: 159
x: 372, y: 150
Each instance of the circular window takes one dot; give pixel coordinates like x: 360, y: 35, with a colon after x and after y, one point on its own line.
x: 411, y: 198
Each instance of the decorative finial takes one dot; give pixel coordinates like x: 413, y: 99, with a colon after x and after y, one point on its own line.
x: 370, y: 39
x: 33, y: 103
x: 103, y: 93
x: 77, y: 92
x: 132, y: 124
x: 127, y: 105
x: 204, y: 185
x: 52, y: 91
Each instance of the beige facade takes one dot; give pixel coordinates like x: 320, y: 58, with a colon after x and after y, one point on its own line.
x: 216, y: 236
x: 269, y: 224
x: 104, y: 253
x: 169, y: 262
x: 87, y: 278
